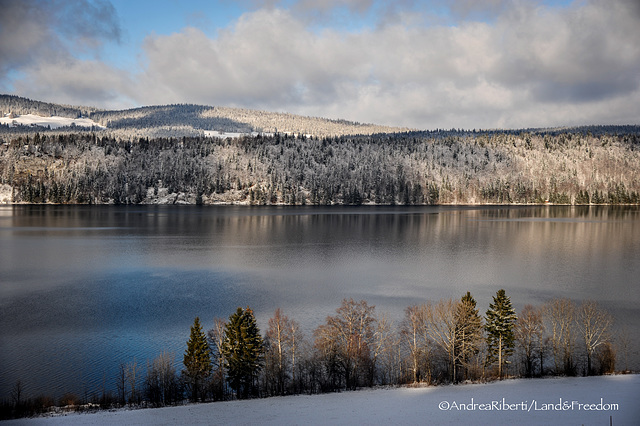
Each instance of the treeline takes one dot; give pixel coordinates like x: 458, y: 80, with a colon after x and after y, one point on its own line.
x: 406, y: 168
x: 19, y: 105
x: 448, y: 341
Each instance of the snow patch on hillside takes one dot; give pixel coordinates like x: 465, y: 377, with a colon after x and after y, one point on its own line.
x: 232, y: 135
x: 53, y: 122
x: 552, y: 401
x: 162, y: 196
x: 6, y: 194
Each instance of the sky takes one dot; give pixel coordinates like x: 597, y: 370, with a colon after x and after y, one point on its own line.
x: 422, y: 64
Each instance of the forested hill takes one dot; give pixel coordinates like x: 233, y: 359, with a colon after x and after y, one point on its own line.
x: 184, y: 120
x: 564, y: 167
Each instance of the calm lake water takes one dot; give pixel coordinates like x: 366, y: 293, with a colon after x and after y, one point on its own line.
x: 85, y: 288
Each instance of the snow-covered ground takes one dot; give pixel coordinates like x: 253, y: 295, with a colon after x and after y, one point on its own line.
x: 6, y: 194
x: 232, y: 135
x: 53, y: 122
x: 552, y: 401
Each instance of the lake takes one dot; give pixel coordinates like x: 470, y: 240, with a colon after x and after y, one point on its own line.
x: 85, y: 288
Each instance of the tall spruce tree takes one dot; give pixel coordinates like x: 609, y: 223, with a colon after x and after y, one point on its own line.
x: 243, y: 351
x: 500, y: 323
x: 197, y: 360
x: 469, y: 332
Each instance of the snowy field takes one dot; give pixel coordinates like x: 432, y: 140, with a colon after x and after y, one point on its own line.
x: 552, y: 401
x: 53, y: 122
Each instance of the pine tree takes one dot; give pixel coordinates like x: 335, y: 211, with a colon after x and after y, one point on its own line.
x: 500, y: 321
x: 243, y: 351
x: 468, y: 330
x: 197, y: 359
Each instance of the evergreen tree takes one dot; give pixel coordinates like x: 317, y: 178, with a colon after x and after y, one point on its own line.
x: 197, y: 360
x: 500, y: 322
x: 468, y: 330
x: 243, y: 351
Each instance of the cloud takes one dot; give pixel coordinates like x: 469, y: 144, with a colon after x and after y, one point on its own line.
x: 468, y: 9
x: 578, y: 55
x: 529, y: 66
x: 525, y: 69
x: 33, y: 31
x: 24, y: 35
x: 42, y: 41
x: 357, y: 6
x: 267, y: 59
x: 87, y: 22
x: 78, y: 82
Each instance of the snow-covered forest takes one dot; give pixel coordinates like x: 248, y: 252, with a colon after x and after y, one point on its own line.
x: 570, y: 167
x: 160, y: 155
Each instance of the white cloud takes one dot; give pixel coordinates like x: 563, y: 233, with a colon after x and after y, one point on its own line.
x: 77, y: 82
x: 35, y: 30
x: 41, y: 42
x: 530, y: 65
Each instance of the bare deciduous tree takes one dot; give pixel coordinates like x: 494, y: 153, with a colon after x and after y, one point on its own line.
x: 345, y: 341
x: 414, y: 330
x: 594, y: 325
x: 121, y: 383
x: 131, y: 374
x: 283, y: 337
x: 384, y: 355
x: 528, y: 333
x: 215, y: 336
x: 161, y: 381
x: 559, y: 315
x: 441, y: 320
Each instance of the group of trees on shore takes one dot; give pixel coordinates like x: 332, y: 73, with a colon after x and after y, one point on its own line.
x: 447, y: 341
x: 443, y: 342
x: 414, y: 168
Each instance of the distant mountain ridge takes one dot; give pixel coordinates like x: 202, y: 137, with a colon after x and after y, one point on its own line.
x: 193, y: 120
x: 180, y: 120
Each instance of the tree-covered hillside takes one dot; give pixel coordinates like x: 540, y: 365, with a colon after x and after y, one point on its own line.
x: 186, y: 120
x: 18, y: 105
x: 404, y: 168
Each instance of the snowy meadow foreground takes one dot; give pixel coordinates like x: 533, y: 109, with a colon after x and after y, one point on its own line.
x: 566, y: 401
